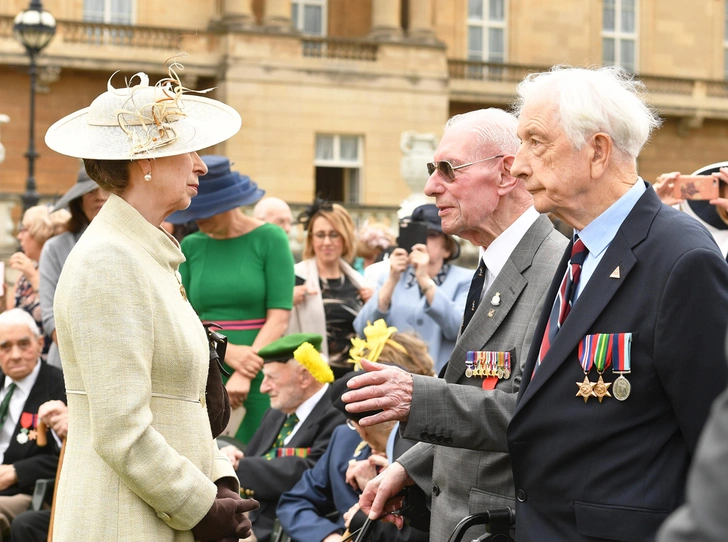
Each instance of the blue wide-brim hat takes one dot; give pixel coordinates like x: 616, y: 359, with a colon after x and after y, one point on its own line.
x: 703, y: 209
x: 220, y: 190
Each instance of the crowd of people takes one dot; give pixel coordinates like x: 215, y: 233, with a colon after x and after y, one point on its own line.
x: 159, y: 262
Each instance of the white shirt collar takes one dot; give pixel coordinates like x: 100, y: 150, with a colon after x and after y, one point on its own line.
x: 497, y: 254
x: 26, y: 384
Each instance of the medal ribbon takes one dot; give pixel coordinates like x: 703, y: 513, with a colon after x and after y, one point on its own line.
x: 28, y: 420
x: 621, y: 347
x: 596, y: 350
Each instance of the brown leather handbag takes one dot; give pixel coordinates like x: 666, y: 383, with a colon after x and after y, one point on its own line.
x: 218, y: 403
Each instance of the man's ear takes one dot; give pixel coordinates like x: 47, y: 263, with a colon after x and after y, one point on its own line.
x: 507, y: 181
x: 601, y: 147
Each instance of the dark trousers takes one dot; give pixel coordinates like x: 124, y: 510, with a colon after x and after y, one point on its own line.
x: 30, y: 526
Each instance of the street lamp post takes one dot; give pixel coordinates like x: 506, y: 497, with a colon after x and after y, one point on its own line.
x: 34, y: 28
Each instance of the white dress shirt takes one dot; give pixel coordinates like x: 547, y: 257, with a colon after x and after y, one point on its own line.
x: 497, y: 254
x: 15, y: 408
x: 304, y: 410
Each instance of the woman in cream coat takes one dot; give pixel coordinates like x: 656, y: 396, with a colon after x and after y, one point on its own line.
x: 140, y: 460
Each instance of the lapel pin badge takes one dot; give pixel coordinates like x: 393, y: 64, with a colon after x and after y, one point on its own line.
x: 615, y: 274
x: 491, y: 313
x: 495, y: 300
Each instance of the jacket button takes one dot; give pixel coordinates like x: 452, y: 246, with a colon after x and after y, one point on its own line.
x: 448, y: 440
x: 435, y: 490
x: 420, y: 321
x: 440, y: 439
x: 521, y: 496
x: 425, y: 435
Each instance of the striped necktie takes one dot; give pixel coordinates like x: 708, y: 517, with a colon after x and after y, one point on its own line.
x: 5, y: 405
x: 474, y: 294
x: 286, y: 430
x: 564, y: 298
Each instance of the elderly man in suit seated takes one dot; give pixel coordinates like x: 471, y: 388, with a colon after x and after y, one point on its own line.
x: 323, y: 502
x: 294, y: 432
x: 27, y: 383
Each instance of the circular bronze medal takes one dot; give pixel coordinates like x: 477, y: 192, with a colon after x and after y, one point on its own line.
x: 621, y: 388
x: 468, y: 372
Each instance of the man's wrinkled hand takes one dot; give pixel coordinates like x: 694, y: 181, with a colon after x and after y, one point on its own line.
x: 379, y: 498
x: 383, y: 387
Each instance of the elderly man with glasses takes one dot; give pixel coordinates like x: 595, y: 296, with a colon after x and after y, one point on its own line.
x: 480, y: 200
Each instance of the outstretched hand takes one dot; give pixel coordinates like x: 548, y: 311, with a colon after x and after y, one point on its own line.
x: 383, y: 387
x: 380, y: 499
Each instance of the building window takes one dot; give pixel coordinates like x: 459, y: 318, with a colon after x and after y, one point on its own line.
x: 487, y: 30
x: 309, y: 16
x: 619, y: 33
x: 338, y: 167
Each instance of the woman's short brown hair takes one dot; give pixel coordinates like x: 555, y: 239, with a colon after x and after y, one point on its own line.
x: 417, y: 360
x: 343, y: 224
x: 110, y: 175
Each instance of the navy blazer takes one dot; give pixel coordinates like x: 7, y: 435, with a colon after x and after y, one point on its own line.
x: 614, y: 470
x: 32, y: 462
x: 265, y: 480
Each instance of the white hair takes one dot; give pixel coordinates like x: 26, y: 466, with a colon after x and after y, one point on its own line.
x: 605, y: 100
x: 492, y: 126
x: 19, y: 317
x: 261, y: 209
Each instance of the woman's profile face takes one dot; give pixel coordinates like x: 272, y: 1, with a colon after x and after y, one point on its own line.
x: 29, y: 244
x: 92, y: 202
x: 437, y: 248
x: 175, y: 179
x: 327, y: 242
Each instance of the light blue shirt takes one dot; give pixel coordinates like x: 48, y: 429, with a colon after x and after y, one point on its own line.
x: 599, y: 233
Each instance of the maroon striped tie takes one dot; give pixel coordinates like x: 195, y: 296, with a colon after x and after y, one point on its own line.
x: 564, y: 298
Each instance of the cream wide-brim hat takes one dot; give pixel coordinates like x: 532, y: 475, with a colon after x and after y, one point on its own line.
x: 188, y: 123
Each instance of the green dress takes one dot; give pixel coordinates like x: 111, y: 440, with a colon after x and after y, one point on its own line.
x: 234, y: 282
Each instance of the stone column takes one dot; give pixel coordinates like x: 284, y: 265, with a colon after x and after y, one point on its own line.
x: 420, y: 20
x: 386, y: 19
x: 277, y: 15
x: 238, y: 14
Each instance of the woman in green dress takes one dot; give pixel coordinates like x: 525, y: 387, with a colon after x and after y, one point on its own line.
x: 238, y: 274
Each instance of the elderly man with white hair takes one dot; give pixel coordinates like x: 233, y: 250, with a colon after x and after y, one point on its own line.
x: 27, y: 383
x: 274, y: 211
x: 628, y: 352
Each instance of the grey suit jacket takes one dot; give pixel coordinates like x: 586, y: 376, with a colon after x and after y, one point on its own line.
x: 450, y: 415
x: 702, y: 518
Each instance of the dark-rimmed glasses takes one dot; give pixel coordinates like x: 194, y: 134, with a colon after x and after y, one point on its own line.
x: 447, y: 170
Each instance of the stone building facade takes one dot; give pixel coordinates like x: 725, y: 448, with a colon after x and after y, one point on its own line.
x: 327, y: 87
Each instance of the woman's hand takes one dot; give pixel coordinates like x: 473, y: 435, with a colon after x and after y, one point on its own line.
x: 366, y: 293
x: 359, y: 473
x: 22, y: 263
x: 350, y: 514
x: 244, y: 360
x: 419, y: 258
x: 238, y: 388
x: 300, y: 293
x: 663, y: 187
x: 398, y: 262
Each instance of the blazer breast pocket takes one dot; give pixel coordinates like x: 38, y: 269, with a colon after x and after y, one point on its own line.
x: 613, y: 522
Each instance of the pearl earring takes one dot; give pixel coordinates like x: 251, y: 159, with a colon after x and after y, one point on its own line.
x: 148, y: 176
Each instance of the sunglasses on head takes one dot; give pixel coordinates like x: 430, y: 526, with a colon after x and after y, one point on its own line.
x: 447, y: 170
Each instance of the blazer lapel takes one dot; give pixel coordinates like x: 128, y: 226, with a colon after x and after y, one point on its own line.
x: 593, y: 300
x: 509, y: 284
x: 270, y: 437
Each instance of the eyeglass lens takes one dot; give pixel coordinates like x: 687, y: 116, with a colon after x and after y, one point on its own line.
x: 443, y: 166
x: 320, y: 235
